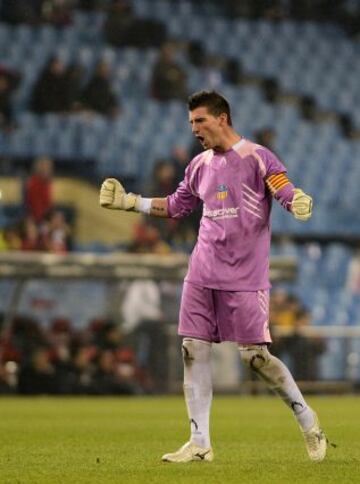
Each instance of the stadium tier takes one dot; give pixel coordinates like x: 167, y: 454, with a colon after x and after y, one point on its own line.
x: 312, y: 151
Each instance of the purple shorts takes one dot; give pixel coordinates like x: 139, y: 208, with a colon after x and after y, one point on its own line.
x: 214, y: 315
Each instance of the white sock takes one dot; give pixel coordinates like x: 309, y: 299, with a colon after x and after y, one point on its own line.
x: 284, y: 385
x: 279, y: 379
x: 198, y: 388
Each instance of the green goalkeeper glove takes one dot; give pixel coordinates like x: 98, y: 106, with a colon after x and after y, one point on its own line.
x: 113, y: 196
x: 301, y: 205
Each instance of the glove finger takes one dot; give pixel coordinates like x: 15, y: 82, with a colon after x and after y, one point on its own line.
x: 112, y: 180
x: 304, y: 217
x: 108, y: 185
x: 303, y: 208
x: 107, y: 189
x: 106, y: 196
x: 301, y: 196
x: 113, y: 184
x: 105, y: 202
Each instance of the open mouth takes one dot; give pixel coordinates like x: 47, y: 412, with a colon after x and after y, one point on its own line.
x: 200, y: 138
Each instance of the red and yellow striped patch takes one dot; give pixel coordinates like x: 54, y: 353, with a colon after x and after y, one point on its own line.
x: 277, y: 181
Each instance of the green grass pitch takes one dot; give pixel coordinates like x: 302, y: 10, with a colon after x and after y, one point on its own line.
x: 121, y: 440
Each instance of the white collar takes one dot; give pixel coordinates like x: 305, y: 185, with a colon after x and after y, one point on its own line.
x: 237, y: 145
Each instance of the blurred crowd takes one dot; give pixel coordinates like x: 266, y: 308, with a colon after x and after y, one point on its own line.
x: 62, y: 359
x: 60, y: 12
x: 130, y: 357
x: 68, y: 88
x: 61, y: 89
x: 39, y: 225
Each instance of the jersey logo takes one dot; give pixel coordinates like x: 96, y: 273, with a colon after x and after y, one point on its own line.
x: 222, y: 192
x: 220, y: 213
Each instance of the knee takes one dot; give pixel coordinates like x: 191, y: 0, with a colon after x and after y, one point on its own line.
x: 193, y: 349
x: 254, y: 356
x: 188, y: 351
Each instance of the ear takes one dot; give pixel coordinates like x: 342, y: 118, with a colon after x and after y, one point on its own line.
x: 223, y: 119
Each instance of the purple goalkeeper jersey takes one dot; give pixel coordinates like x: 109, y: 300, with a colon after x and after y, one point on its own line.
x: 232, y: 250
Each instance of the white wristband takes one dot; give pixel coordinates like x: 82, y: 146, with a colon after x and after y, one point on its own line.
x: 145, y: 205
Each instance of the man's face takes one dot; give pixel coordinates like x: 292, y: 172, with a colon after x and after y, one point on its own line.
x: 206, y: 127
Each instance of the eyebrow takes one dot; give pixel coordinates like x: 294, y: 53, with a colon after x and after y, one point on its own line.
x: 200, y: 118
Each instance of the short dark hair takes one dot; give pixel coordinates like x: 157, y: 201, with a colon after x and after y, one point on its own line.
x: 213, y: 101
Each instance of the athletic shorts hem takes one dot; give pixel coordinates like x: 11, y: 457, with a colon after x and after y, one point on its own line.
x: 252, y: 342
x: 242, y: 342
x: 196, y: 336
x: 222, y: 287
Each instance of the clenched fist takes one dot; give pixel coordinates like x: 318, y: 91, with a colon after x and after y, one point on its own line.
x: 301, y: 205
x: 113, y: 196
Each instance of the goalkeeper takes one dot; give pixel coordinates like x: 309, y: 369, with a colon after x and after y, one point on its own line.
x: 226, y: 290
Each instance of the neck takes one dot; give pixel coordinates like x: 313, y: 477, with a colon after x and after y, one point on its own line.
x: 228, y: 140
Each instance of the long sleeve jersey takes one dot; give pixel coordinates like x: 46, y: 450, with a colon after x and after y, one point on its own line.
x: 237, y: 186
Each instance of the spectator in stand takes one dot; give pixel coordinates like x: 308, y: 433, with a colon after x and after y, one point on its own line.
x: 108, y: 381
x: 180, y: 159
x: 30, y: 237
x: 74, y: 76
x: 265, y: 137
x: 8, y: 377
x: 3, y: 242
x: 5, y: 104
x: 11, y: 238
x: 106, y: 334
x: 98, y: 96
x: 255, y: 9
x: 56, y: 233
x: 283, y: 309
x: 60, y: 337
x: 58, y: 12
x: 168, y: 78
x: 21, y: 11
x: 219, y: 69
x: 128, y: 371
x: 118, y: 23
x: 308, y: 108
x: 348, y: 127
x: 84, y: 369
x: 51, y: 91
x: 270, y: 90
x: 163, y: 178
x: 38, y: 190
x: 38, y: 375
x: 233, y: 71
x: 90, y: 5
x: 122, y: 28
x: 196, y: 53
x: 147, y: 239
x: 8, y: 82
x: 26, y: 336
